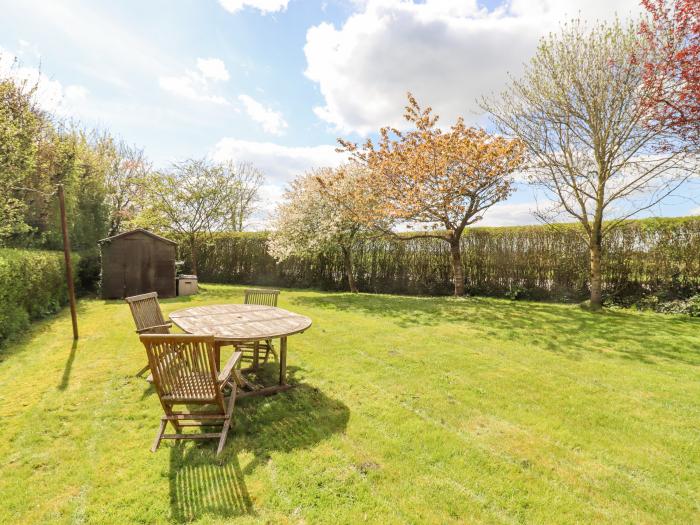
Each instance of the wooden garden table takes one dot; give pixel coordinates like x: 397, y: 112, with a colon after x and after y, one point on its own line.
x: 243, y: 323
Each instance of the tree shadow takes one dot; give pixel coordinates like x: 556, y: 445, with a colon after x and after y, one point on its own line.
x: 65, y: 378
x: 565, y: 329
x: 299, y: 418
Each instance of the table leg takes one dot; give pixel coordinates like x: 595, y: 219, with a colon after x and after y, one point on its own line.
x: 283, y: 361
x: 282, y: 386
x: 217, y: 355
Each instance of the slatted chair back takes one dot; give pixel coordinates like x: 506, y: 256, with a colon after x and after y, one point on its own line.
x: 261, y: 296
x: 183, y: 367
x: 147, y: 314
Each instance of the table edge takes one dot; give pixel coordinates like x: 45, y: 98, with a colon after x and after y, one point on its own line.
x: 246, y: 339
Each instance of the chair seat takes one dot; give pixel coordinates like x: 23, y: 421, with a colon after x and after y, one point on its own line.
x: 191, y: 386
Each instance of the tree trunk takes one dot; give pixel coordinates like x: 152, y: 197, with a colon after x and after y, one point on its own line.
x: 193, y: 254
x: 347, y: 260
x: 596, y: 277
x: 457, y: 271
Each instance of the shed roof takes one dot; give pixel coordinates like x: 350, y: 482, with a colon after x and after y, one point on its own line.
x: 137, y: 230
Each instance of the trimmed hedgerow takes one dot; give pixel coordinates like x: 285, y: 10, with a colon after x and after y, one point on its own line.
x: 644, y: 257
x: 32, y: 285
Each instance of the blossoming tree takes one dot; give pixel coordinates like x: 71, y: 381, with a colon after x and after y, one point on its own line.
x: 672, y: 70
x: 434, y: 180
x: 308, y: 221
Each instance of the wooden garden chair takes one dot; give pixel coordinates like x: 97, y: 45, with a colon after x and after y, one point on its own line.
x: 184, y: 372
x: 148, y: 317
x: 251, y: 351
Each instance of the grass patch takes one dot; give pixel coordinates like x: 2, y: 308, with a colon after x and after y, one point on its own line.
x: 406, y: 410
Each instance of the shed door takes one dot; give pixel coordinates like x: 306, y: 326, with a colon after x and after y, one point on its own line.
x: 139, y: 270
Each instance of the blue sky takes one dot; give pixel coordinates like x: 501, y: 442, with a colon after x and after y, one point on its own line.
x: 277, y: 81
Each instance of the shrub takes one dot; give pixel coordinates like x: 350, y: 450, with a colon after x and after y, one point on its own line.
x: 32, y: 285
x: 642, y: 258
x: 689, y: 306
x: 87, y: 279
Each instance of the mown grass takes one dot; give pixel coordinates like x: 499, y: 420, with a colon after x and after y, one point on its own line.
x: 406, y: 410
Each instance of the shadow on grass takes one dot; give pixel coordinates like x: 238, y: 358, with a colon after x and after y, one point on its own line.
x: 565, y: 329
x: 65, y: 378
x: 20, y: 342
x: 200, y: 487
x: 297, y: 419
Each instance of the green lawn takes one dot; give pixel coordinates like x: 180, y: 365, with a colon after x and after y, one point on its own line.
x: 407, y: 410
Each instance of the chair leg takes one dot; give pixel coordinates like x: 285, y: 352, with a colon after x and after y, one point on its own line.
x: 159, y: 436
x: 256, y: 355
x: 168, y: 409
x: 140, y: 372
x: 269, y: 349
x: 227, y: 422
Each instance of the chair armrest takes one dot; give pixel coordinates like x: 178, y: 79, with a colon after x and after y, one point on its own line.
x: 168, y: 324
x: 226, y: 371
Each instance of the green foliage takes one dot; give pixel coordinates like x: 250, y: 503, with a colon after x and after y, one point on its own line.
x: 37, y: 152
x: 652, y: 256
x: 196, y: 197
x: 89, y: 271
x: 689, y: 306
x: 20, y: 125
x: 32, y: 285
x: 70, y: 157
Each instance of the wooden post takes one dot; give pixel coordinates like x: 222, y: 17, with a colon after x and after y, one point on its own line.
x: 66, y: 255
x: 283, y: 361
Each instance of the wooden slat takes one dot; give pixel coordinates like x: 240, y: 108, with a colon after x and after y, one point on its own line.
x: 261, y: 296
x: 205, y: 435
x: 147, y: 314
x: 193, y: 415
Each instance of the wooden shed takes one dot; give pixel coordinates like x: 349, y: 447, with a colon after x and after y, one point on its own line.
x: 136, y: 262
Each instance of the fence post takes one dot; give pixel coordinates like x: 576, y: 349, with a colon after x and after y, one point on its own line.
x: 66, y: 256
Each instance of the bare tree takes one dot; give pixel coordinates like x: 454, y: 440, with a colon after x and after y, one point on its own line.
x: 244, y: 180
x: 124, y: 182
x: 191, y: 200
x: 579, y: 110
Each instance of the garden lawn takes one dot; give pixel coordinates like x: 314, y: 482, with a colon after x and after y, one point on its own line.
x: 406, y: 410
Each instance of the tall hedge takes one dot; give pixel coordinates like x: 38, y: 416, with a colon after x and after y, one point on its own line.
x: 32, y: 285
x: 651, y: 256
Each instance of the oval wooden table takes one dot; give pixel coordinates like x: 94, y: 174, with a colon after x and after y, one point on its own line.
x: 243, y: 323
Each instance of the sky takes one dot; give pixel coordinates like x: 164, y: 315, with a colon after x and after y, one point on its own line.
x: 276, y: 82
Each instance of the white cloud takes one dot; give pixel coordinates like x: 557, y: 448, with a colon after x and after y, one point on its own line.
x: 447, y: 52
x: 280, y: 164
x: 509, y: 214
x: 264, y: 6
x: 271, y: 121
x: 213, y: 68
x: 76, y: 92
x: 50, y: 94
x: 189, y: 86
x: 27, y: 48
x: 198, y: 85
